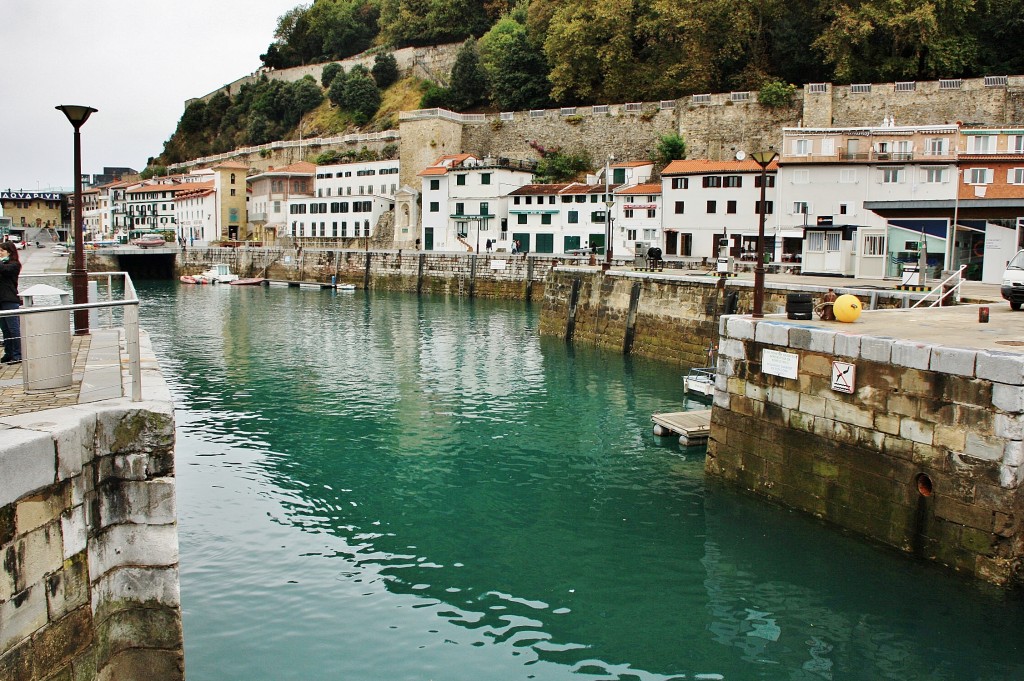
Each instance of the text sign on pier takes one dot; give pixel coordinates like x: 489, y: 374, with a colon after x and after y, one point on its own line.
x: 779, y: 363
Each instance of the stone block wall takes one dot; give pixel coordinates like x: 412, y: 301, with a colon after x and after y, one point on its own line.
x: 925, y: 456
x: 88, y: 540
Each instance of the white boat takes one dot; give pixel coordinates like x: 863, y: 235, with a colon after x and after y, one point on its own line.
x: 219, y: 274
x: 700, y: 381
x: 346, y: 287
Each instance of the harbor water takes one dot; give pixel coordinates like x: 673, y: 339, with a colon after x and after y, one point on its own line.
x: 390, y: 487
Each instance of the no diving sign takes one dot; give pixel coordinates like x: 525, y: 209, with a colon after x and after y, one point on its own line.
x: 842, y: 377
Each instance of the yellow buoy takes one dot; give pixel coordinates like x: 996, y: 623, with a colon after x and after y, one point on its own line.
x: 847, y: 308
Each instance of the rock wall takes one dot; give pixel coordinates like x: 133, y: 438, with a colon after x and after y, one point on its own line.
x: 925, y: 456
x: 88, y: 539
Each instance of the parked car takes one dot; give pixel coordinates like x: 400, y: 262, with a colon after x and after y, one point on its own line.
x: 59, y: 249
x: 1012, y: 288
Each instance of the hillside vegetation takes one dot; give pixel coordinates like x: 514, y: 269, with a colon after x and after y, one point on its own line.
x: 540, y: 53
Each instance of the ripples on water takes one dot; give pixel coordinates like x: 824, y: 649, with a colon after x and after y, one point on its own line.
x: 402, y: 488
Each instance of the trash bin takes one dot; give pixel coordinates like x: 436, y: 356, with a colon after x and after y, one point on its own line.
x: 46, y: 340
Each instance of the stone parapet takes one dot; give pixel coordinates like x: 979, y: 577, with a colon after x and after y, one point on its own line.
x: 924, y: 455
x: 88, y: 539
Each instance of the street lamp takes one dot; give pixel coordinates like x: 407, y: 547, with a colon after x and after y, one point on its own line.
x: 609, y: 203
x: 77, y: 116
x: 762, y: 158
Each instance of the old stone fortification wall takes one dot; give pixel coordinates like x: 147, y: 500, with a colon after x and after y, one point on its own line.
x: 676, y: 316
x: 88, y: 539
x: 429, y: 63
x: 925, y: 456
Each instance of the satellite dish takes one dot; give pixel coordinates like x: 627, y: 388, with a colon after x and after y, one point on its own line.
x: 740, y: 155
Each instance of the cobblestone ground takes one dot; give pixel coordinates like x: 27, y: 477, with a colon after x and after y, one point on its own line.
x: 14, y: 399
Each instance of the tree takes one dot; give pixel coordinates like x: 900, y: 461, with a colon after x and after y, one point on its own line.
x: 436, y: 96
x: 305, y: 96
x: 671, y: 147
x: 517, y: 71
x: 775, y: 93
x: 468, y: 80
x: 361, y: 96
x: 563, y: 167
x: 328, y: 73
x: 194, y: 118
x: 336, y: 93
x: 385, y: 69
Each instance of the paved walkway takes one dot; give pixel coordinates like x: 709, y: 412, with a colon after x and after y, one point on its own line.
x: 95, y: 358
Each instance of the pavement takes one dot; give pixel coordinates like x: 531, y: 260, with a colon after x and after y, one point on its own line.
x: 96, y: 359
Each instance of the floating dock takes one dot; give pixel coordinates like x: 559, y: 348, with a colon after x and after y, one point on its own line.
x: 692, y: 427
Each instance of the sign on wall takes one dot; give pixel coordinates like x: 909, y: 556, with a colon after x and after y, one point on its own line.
x: 843, y: 375
x: 777, y: 363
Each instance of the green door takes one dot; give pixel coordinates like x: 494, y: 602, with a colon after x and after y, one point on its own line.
x: 524, y: 241
x: 545, y: 243
x: 428, y: 239
x: 570, y: 243
x: 597, y: 240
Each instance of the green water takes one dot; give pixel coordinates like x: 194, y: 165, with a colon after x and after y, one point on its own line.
x: 388, y: 487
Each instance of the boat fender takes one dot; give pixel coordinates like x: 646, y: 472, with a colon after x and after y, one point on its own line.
x: 660, y: 430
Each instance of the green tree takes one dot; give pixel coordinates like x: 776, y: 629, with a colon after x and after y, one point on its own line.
x: 305, y: 96
x: 517, y: 71
x: 671, y: 147
x: 431, y: 22
x: 435, y: 96
x: 328, y: 73
x: 557, y: 166
x: 361, y: 96
x: 775, y: 93
x: 215, y: 110
x: 194, y: 119
x: 468, y: 80
x: 336, y: 93
x: 385, y: 69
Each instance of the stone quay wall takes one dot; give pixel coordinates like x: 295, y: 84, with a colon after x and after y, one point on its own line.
x: 89, y: 577
x: 671, y: 317
x: 926, y: 455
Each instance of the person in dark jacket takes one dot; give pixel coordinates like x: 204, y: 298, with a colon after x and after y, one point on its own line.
x: 10, y: 269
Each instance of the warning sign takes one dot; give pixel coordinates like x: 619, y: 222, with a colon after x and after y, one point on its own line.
x: 842, y: 377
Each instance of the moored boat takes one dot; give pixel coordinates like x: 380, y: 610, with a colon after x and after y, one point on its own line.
x: 154, y: 241
x: 188, y: 279
x: 219, y: 274
x: 251, y: 281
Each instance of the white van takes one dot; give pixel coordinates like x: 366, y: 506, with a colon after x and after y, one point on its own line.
x: 1012, y: 288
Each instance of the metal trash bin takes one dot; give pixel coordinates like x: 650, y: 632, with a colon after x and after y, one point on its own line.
x: 46, y: 340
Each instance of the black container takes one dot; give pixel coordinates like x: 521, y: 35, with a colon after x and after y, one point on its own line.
x: 799, y: 306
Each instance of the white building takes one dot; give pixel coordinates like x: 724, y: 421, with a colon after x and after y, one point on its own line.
x: 348, y: 201
x: 465, y: 201
x: 269, y: 194
x: 705, y: 201
x: 827, y: 174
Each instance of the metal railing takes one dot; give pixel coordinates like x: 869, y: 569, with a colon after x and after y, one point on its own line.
x: 944, y: 289
x: 128, y: 303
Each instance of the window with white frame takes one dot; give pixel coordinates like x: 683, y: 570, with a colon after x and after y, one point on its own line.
x: 828, y: 147
x: 847, y: 175
x: 832, y: 240
x: 680, y: 183
x: 816, y: 242
x: 874, y: 244
x: 1015, y: 176
x: 802, y: 176
x: 801, y: 208
x: 936, y: 175
x: 980, y: 144
x: 979, y: 176
x: 892, y: 175
x: 936, y: 146
x: 802, y: 147
x: 846, y: 208
x: 1015, y: 144
x: 650, y: 234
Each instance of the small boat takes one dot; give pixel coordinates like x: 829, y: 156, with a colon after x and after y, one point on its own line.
x: 251, y: 281
x: 700, y: 381
x: 149, y: 242
x: 187, y: 279
x: 219, y: 274
x: 346, y: 287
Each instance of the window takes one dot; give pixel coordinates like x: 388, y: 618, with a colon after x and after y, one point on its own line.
x: 832, y: 241
x: 334, y: 229
x: 979, y: 176
x: 847, y: 176
x: 277, y: 206
x: 573, y: 217
x: 651, y: 212
x: 630, y: 235
x: 935, y: 175
x: 936, y: 146
x: 485, y: 178
x: 545, y: 219
x: 711, y: 206
x: 460, y: 209
x: 730, y: 207
x: 597, y: 216
x: 801, y: 147
x: 679, y: 207
x: 627, y: 213
x: 846, y: 209
x: 980, y: 144
x: 435, y: 207
x: 680, y: 183
x: 892, y: 175
x: 802, y: 176
x: 712, y: 181
x: 769, y: 207
x: 828, y: 147
x: 232, y: 178
x: 769, y: 181
x: 515, y: 200
x: 816, y: 242
x: 1015, y: 144
x: 485, y: 208
x: 521, y: 219
x: 435, y: 185
x: 801, y: 208
x: 1015, y: 176
x: 734, y: 181
x: 580, y: 198
x: 529, y: 200
x: 874, y: 244
x: 460, y: 180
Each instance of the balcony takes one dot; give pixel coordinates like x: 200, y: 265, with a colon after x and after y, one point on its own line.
x: 257, y: 217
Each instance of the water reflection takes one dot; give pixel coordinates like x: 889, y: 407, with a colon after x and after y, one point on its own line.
x: 422, y: 488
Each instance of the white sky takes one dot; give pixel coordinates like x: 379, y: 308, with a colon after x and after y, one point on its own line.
x: 136, y: 61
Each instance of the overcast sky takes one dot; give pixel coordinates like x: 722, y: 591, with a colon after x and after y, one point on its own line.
x: 136, y: 61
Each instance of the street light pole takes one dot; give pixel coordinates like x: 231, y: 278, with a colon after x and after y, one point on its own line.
x: 77, y: 116
x: 763, y: 159
x: 609, y: 203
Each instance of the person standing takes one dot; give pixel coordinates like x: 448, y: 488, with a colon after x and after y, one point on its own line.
x: 10, y: 269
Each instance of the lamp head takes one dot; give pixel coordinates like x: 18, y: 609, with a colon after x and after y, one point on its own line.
x: 77, y: 114
x: 763, y: 158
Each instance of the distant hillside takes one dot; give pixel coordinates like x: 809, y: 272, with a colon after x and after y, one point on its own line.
x: 542, y: 53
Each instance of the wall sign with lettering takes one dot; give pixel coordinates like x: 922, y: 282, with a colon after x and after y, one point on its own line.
x: 777, y: 363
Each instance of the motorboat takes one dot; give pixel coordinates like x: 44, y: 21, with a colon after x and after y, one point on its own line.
x: 219, y: 274
x: 149, y: 241
x: 188, y: 279
x: 250, y: 281
x: 346, y: 287
x: 700, y: 381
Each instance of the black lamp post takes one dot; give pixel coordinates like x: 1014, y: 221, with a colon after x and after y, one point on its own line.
x: 762, y: 158
x: 609, y: 204
x: 77, y: 116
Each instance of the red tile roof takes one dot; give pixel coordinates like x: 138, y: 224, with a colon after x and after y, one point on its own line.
x: 444, y: 163
x: 700, y: 166
x: 649, y: 189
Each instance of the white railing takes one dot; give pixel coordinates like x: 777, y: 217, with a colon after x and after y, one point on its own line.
x: 128, y: 302
x: 817, y: 88
x: 944, y: 289
x: 905, y: 86
x: 739, y: 96
x: 951, y: 84
x: 354, y: 138
x: 632, y: 107
x: 599, y: 109
x: 667, y: 104
x: 701, y: 99
x: 996, y: 81
x: 861, y: 88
